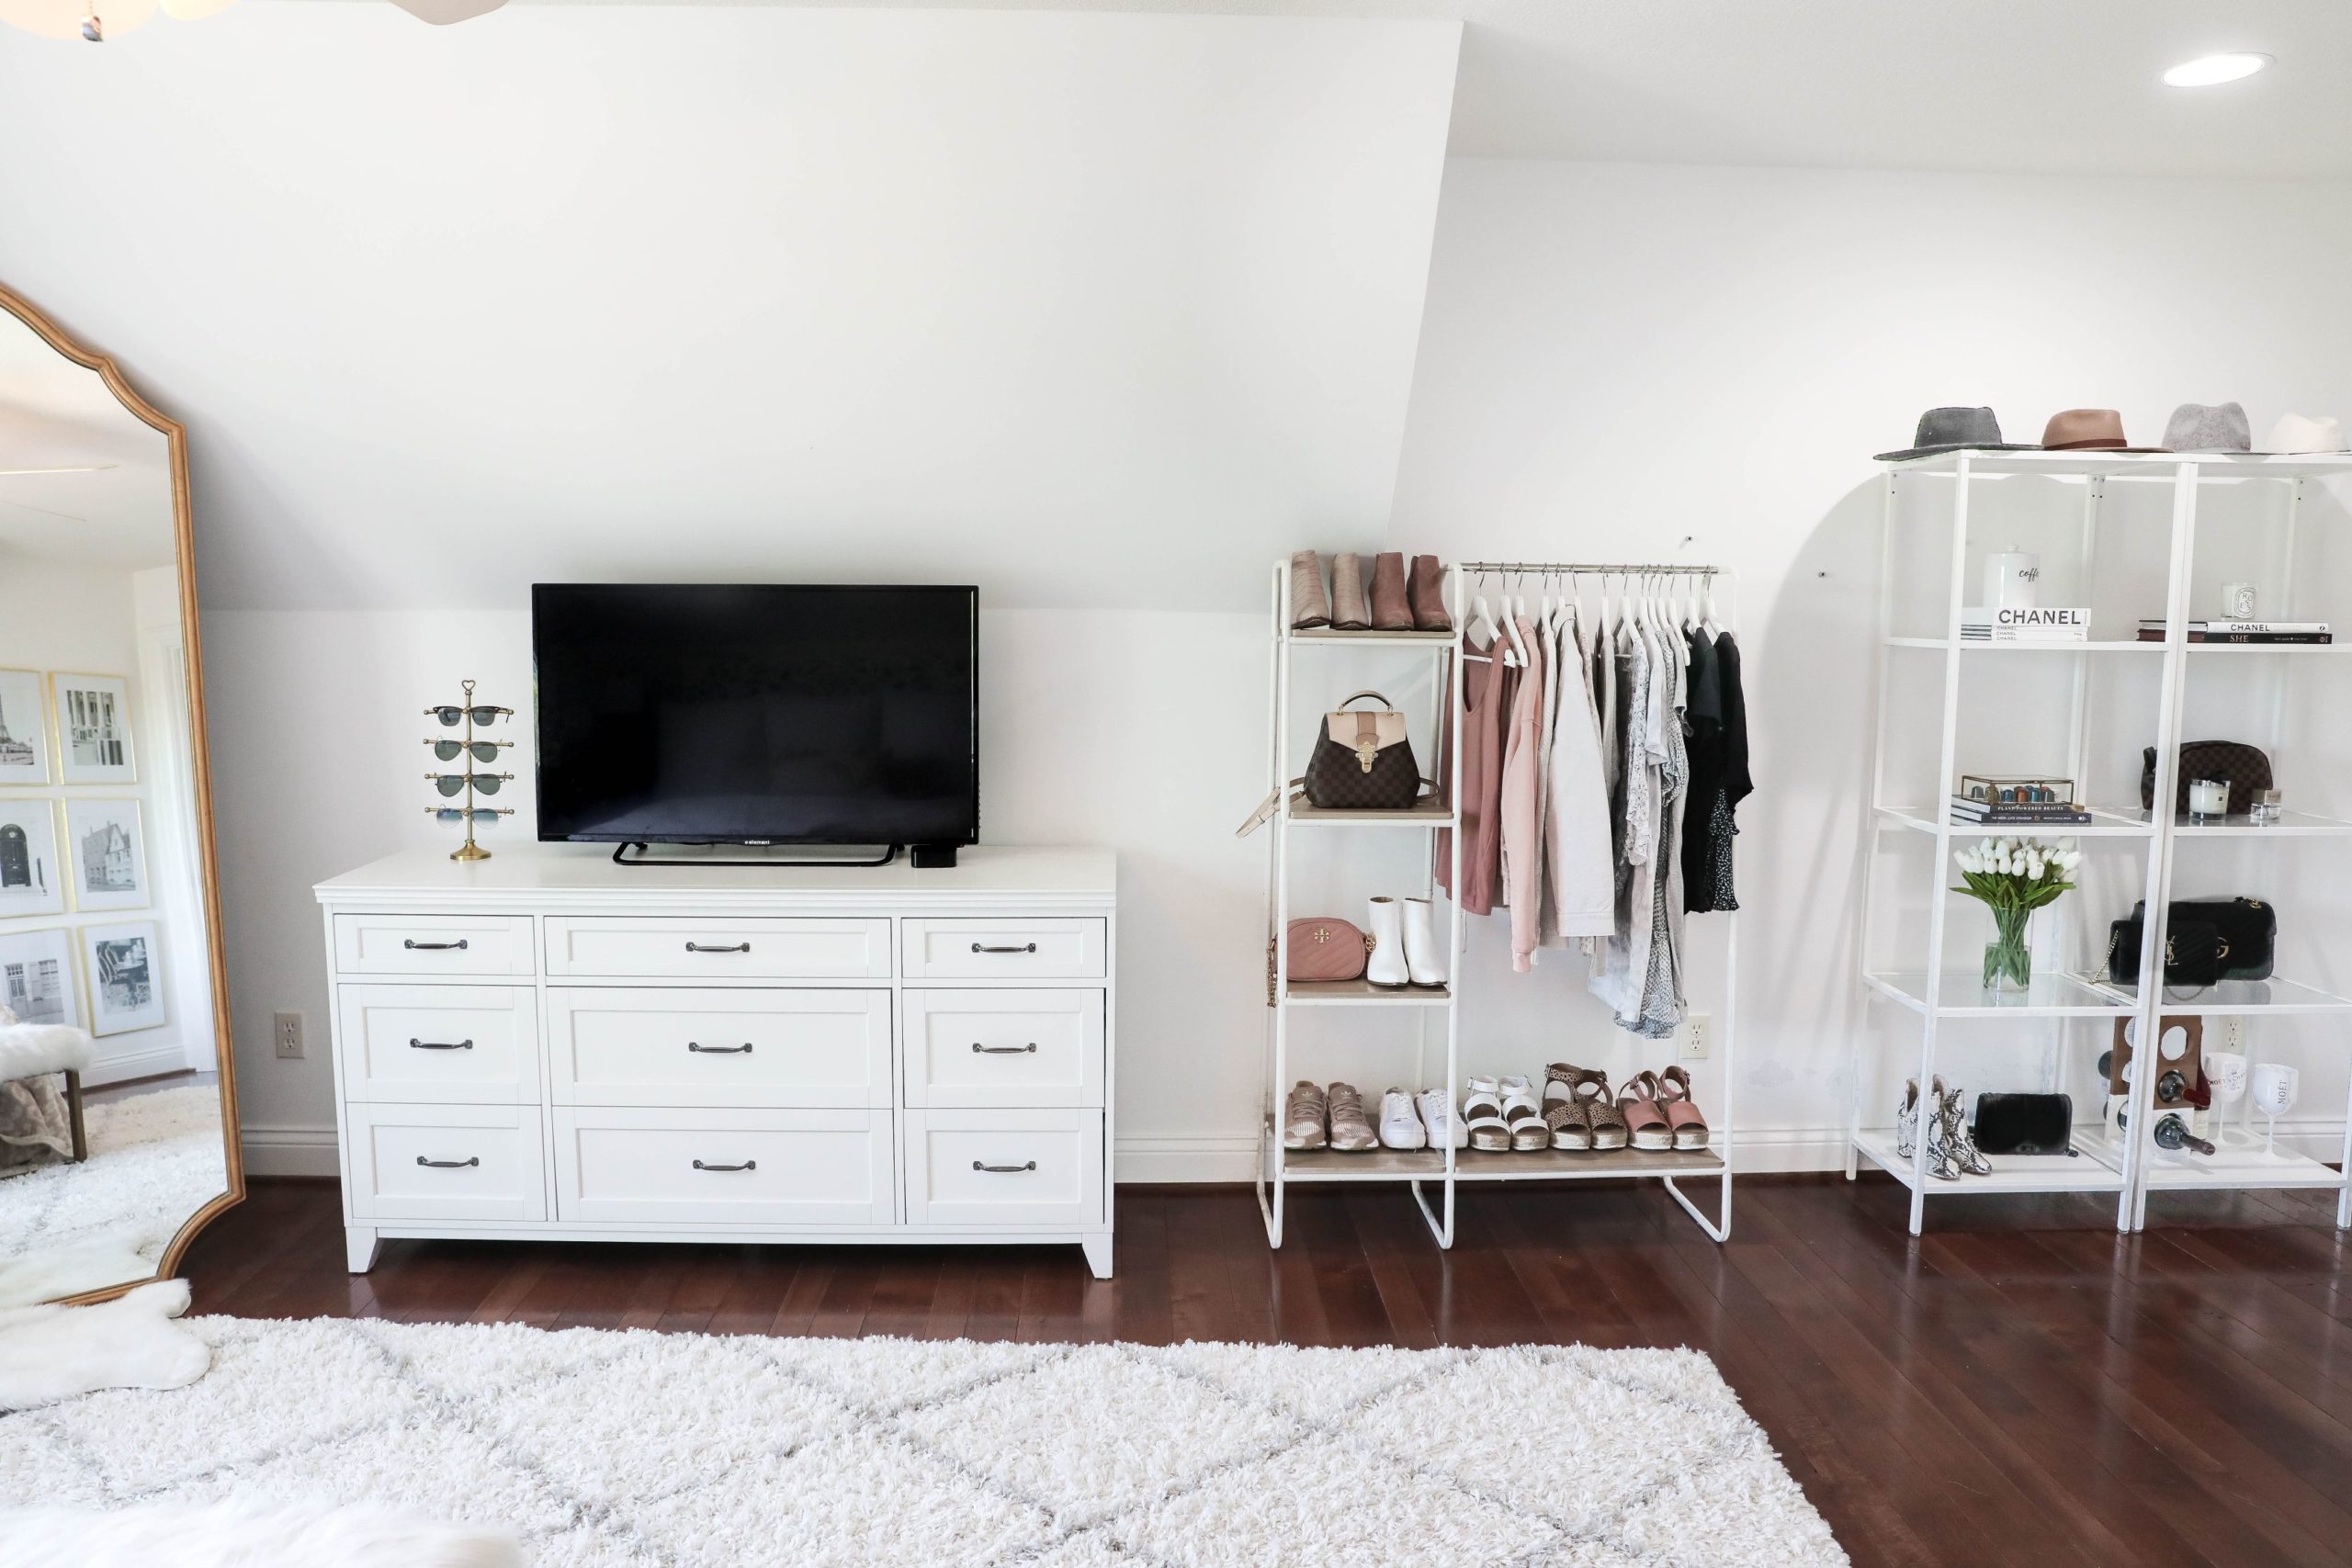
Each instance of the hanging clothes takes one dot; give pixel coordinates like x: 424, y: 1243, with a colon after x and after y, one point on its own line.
x: 1580, y: 860
x: 1707, y: 771
x: 1484, y: 700
x: 1522, y: 840
x: 1737, y: 783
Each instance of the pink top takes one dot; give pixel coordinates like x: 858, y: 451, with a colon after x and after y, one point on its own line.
x: 1522, y: 851
x: 1481, y: 739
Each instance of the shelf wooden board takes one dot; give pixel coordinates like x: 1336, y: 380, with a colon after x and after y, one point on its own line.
x: 1363, y: 993
x: 1573, y: 1165
x: 2082, y: 1173
x: 1420, y: 639
x: 1369, y: 1164
x: 1429, y: 813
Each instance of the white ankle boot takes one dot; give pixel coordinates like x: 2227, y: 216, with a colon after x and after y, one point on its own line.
x: 1385, y: 966
x: 1424, y: 959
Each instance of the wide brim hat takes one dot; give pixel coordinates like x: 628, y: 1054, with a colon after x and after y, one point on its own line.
x: 1956, y: 430
x: 2087, y: 430
x: 2299, y: 435
x: 2202, y: 427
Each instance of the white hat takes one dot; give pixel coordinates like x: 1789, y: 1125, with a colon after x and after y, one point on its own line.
x: 2296, y: 434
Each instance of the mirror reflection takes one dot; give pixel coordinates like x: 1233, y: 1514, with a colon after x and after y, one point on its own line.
x: 113, y: 1130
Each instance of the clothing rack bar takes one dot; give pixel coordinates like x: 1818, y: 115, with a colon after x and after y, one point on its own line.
x: 1506, y: 568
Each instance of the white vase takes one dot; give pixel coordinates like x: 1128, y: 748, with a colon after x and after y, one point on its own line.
x: 1424, y: 958
x: 1386, y: 966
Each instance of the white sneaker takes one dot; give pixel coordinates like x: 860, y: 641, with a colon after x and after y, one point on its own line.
x: 1399, y: 1128
x: 1437, y: 1114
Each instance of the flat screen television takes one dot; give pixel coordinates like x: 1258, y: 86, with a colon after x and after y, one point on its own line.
x: 757, y: 715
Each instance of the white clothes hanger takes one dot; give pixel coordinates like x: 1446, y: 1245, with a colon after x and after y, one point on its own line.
x: 1480, y: 613
x: 1709, y: 618
x: 1511, y: 631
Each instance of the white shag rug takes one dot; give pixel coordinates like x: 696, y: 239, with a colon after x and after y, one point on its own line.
x: 602, y: 1449
x: 155, y: 1159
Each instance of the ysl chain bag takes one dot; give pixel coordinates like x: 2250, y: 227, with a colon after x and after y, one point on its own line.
x: 2206, y: 941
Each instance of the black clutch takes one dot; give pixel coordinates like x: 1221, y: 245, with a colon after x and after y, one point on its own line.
x: 2025, y: 1123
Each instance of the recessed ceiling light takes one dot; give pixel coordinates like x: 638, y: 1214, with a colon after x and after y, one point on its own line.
x: 2213, y: 69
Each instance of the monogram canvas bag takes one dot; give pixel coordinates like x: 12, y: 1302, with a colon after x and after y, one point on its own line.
x: 1362, y: 761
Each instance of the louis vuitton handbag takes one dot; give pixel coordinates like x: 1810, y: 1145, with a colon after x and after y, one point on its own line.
x: 1362, y: 761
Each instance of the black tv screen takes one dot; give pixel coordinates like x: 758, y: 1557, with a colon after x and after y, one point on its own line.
x: 752, y: 714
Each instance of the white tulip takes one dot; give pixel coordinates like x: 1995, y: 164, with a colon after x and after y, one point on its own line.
x: 2068, y: 860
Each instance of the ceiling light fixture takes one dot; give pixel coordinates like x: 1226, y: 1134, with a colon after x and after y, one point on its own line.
x: 2213, y: 69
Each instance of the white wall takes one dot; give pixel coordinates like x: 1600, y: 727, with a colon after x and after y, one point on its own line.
x: 1689, y: 364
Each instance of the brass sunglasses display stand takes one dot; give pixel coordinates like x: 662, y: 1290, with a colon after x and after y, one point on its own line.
x: 468, y: 712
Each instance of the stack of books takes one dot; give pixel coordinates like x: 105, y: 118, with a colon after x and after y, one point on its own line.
x: 2056, y: 623
x: 2244, y: 631
x: 2018, y: 814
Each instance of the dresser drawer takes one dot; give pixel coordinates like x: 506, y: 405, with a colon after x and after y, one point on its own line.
x: 410, y: 1045
x: 1004, y: 1167
x: 723, y: 1046
x: 783, y: 1167
x: 1005, y: 1047
x: 452, y: 945
x: 751, y: 948
x: 447, y: 1162
x: 1003, y: 950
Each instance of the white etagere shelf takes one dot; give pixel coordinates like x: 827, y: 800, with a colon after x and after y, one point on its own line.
x: 2130, y: 1165
x: 1431, y: 1175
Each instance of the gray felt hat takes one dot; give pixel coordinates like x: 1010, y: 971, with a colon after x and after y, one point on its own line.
x: 2196, y: 428
x: 1956, y: 430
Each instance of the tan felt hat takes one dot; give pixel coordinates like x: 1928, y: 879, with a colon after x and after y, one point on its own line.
x: 2081, y: 430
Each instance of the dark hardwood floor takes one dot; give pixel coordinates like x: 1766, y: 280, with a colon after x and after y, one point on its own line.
x: 2021, y: 1385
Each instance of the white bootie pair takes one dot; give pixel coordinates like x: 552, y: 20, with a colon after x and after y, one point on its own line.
x: 1405, y: 950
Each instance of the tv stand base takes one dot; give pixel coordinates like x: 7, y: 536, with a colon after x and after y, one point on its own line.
x: 787, y: 855
x: 933, y: 857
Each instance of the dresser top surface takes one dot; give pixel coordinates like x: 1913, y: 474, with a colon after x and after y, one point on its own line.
x: 575, y: 869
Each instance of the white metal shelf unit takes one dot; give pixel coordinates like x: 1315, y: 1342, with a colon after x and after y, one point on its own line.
x: 1936, y: 995
x: 1442, y: 1168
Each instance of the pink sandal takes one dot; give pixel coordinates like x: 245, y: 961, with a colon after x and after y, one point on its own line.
x: 1689, y: 1128
x: 1646, y: 1125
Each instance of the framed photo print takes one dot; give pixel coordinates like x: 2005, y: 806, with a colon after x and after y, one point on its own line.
x: 31, y: 881
x: 36, y: 976
x: 126, y: 967
x: 106, y: 854
x: 23, y: 733
x: 92, y: 728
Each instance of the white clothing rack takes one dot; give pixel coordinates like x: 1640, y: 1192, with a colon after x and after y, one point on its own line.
x: 1422, y: 1169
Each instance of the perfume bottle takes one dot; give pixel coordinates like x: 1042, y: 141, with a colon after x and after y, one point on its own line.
x: 2172, y: 1133
x: 2267, y: 809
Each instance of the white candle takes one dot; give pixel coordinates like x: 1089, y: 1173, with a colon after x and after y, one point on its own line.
x: 2209, y: 797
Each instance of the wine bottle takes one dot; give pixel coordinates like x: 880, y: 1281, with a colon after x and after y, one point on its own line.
x: 2173, y: 1086
x: 2172, y: 1133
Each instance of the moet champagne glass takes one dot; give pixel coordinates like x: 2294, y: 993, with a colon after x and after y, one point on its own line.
x: 2275, y: 1086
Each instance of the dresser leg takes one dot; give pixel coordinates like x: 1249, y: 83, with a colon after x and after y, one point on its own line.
x: 1098, y: 1254
x: 359, y: 1249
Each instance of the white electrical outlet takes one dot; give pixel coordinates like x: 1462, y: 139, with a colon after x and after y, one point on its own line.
x: 289, y: 1033
x: 1696, y: 1037
x: 2234, y: 1034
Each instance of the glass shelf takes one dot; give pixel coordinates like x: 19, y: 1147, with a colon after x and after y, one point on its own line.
x: 1964, y: 995
x: 2272, y: 996
x: 2105, y: 822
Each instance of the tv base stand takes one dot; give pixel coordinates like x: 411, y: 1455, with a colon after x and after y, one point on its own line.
x: 798, y: 857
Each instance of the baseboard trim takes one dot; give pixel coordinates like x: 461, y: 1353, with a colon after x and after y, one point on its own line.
x: 1227, y: 1160
x: 132, y: 1066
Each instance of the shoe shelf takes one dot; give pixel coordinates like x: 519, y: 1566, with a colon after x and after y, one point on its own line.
x: 1962, y: 994
x: 2089, y: 1170
x: 1431, y: 813
x: 1409, y: 639
x: 1363, y: 993
x: 2261, y: 519
x: 1583, y: 1165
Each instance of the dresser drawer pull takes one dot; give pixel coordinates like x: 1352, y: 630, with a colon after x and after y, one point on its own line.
x: 448, y: 1164
x: 1029, y: 1049
x: 416, y: 1044
x: 746, y: 1164
x: 415, y: 946
x: 739, y: 947
x: 1025, y: 947
x: 1003, y: 1170
x: 697, y: 1046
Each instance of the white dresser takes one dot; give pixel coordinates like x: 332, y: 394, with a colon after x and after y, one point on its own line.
x: 546, y: 1045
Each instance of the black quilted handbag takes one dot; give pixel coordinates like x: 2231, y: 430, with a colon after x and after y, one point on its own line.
x: 2206, y: 941
x: 1362, y: 761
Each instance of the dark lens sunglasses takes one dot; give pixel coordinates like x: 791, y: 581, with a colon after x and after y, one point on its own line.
x: 480, y: 816
x: 485, y: 783
x: 453, y: 715
x: 483, y: 750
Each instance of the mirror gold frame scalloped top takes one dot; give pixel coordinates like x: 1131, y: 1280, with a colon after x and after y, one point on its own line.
x: 121, y: 937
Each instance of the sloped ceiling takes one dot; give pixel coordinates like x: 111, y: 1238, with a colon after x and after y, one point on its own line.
x: 1085, y: 309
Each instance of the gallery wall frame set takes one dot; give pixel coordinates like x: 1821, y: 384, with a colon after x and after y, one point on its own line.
x: 24, y: 728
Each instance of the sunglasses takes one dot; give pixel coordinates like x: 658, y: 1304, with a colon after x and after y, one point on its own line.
x: 483, y: 750
x: 453, y: 715
x: 485, y: 783
x: 480, y: 816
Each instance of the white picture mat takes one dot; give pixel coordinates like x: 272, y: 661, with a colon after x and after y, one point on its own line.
x: 36, y: 968
x: 93, y: 725
x: 24, y: 728
x: 32, y: 879
x: 115, y: 879
x: 125, y: 964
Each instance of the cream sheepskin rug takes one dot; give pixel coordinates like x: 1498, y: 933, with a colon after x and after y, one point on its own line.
x: 688, y: 1451
x: 49, y: 1353
x: 154, y: 1160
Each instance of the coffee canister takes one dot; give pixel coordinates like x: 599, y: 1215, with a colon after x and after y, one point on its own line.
x: 2012, y: 580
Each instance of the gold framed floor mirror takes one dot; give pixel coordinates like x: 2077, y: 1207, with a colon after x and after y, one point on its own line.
x: 118, y: 1086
